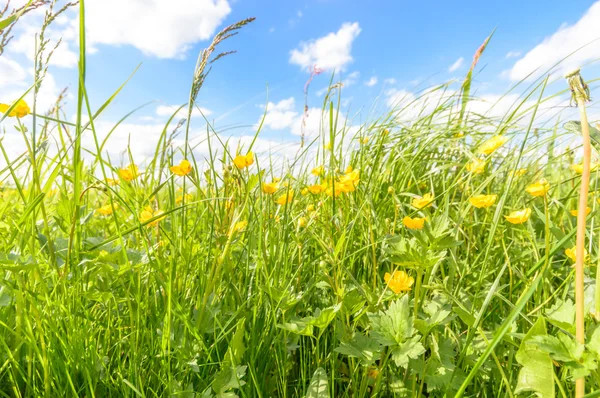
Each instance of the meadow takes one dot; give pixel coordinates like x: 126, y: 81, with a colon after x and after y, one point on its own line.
x: 422, y: 256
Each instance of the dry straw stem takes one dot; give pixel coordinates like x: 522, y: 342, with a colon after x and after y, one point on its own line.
x: 580, y: 93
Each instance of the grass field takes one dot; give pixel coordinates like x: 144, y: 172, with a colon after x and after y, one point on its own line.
x: 422, y: 255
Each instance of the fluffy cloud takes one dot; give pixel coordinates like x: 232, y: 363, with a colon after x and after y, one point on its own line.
x: 372, y: 81
x: 164, y: 29
x: 11, y: 71
x: 281, y: 115
x: 567, y: 39
x: 457, y: 64
x: 63, y: 29
x: 329, y: 52
x: 513, y: 54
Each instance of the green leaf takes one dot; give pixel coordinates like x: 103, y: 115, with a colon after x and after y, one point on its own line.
x: 562, y: 314
x: 537, y: 373
x: 228, y: 378
x: 393, y: 326
x: 593, y: 344
x: 319, y: 386
x: 561, y: 348
x: 409, y: 349
x: 322, y: 318
x: 236, y: 346
x: 362, y: 347
x: 298, y: 326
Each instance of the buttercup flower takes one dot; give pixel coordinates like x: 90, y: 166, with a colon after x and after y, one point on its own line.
x: 302, y: 221
x: 239, y: 226
x: 572, y: 253
x: 317, y: 171
x: 489, y: 146
x: 112, y: 182
x: 285, y: 198
x: 518, y: 216
x: 539, y: 188
x: 20, y: 110
x: 398, y: 281
x: 578, y: 168
x: 129, y: 173
x: 413, y: 223
x: 187, y: 196
x: 364, y: 140
x: 350, y: 180
x: 243, y: 161
x: 483, y: 201
x: 105, y: 210
x: 317, y: 188
x: 148, y: 214
x: 477, y: 166
x: 183, y: 168
x: 518, y: 172
x: 423, y: 202
x: 270, y: 187
x: 588, y: 210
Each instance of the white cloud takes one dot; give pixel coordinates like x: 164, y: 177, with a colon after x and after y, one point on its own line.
x: 390, y: 81
x: 164, y: 29
x: 513, y: 54
x: 332, y: 51
x: 457, y: 64
x: 168, y: 110
x: 11, y: 71
x: 63, y: 29
x: 563, y: 42
x: 281, y: 115
x: 372, y: 81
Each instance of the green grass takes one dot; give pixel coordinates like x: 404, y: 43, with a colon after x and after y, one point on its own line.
x: 295, y: 303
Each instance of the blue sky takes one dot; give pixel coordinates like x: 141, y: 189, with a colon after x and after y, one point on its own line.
x: 378, y: 51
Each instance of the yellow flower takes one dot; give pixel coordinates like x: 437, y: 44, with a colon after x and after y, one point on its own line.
x: 385, y: 132
x: 285, y: 198
x: 310, y: 208
x: 539, y: 188
x: 578, y: 168
x: 483, y: 201
x: 112, y: 182
x: 317, y: 188
x: 187, y: 196
x: 20, y: 110
x: 398, y: 281
x: 335, y: 189
x: 242, y: 161
x: 302, y: 221
x: 364, y: 140
x: 148, y: 214
x: 105, y: 210
x: 327, y: 146
x: 183, y: 168
x: 477, y: 166
x: 317, y: 171
x: 423, y: 202
x: 518, y: 216
x: 270, y: 187
x: 239, y: 226
x: 129, y: 173
x: 348, y: 170
x: 518, y: 172
x: 588, y: 210
x: 413, y: 223
x: 572, y: 254
x: 492, y: 144
x: 350, y: 180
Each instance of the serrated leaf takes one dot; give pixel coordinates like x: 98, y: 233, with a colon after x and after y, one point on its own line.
x: 323, y: 317
x: 393, y: 326
x: 300, y: 326
x: 409, y: 349
x: 562, y: 314
x: 319, y: 386
x: 362, y: 347
x: 537, y: 372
